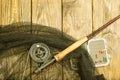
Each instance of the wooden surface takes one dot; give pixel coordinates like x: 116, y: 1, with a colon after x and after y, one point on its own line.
x: 77, y: 16
x: 15, y: 11
x: 48, y: 13
x: 103, y: 11
x: 74, y: 17
x: 12, y: 11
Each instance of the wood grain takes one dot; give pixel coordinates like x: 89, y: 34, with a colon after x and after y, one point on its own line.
x: 15, y: 11
x: 77, y: 17
x: 0, y: 12
x: 80, y: 17
x: 48, y: 13
x: 103, y: 11
x: 12, y: 11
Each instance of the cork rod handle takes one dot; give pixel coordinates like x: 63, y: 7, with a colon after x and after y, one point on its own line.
x: 75, y: 45
x: 72, y: 47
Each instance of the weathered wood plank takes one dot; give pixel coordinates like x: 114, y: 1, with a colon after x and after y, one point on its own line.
x: 48, y: 13
x: 15, y: 11
x: 103, y: 11
x: 77, y: 17
x: 77, y: 22
x: 12, y: 11
x: 0, y: 12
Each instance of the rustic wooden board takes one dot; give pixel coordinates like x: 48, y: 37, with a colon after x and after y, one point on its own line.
x: 77, y: 17
x: 12, y: 11
x: 15, y: 11
x: 77, y: 20
x: 0, y: 12
x: 103, y: 11
x: 48, y: 13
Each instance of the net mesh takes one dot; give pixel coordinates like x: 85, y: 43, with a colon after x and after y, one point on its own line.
x: 19, y: 38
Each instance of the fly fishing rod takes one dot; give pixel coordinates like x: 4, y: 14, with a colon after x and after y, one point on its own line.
x: 58, y: 57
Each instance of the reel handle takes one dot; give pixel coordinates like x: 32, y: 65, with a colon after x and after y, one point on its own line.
x: 44, y: 66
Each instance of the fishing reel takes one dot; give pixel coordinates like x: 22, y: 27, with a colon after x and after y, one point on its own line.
x: 40, y: 53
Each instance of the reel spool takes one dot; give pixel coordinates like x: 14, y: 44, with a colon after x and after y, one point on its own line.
x: 39, y: 52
